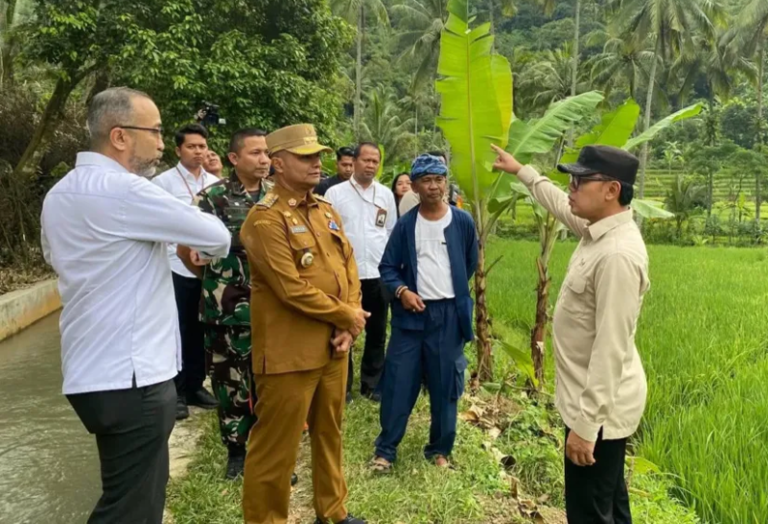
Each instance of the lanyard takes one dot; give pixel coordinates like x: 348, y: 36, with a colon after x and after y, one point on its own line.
x: 189, y: 189
x: 373, y: 203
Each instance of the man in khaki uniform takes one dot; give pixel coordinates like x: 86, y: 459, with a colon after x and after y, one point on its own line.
x: 601, y: 387
x: 305, y: 314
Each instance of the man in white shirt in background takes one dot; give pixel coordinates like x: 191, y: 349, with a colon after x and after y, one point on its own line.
x: 184, y: 182
x: 601, y: 387
x: 104, y: 231
x: 368, y: 212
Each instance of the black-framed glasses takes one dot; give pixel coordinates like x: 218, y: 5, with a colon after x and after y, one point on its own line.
x: 576, y: 181
x: 154, y: 130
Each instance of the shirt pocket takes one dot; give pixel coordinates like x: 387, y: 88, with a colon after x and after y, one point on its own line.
x: 343, y: 244
x: 301, y: 245
x: 574, y: 295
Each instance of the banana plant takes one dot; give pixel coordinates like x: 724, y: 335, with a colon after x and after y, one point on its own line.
x: 615, y: 129
x: 476, y: 110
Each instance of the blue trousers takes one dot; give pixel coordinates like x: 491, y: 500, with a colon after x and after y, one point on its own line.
x: 437, y: 352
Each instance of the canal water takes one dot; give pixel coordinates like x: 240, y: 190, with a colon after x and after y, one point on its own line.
x: 49, y: 468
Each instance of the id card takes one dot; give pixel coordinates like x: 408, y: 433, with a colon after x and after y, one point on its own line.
x: 381, y: 217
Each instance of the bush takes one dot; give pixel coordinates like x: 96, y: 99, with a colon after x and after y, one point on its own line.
x: 21, y: 199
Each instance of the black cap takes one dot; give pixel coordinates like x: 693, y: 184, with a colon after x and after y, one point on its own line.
x: 609, y: 161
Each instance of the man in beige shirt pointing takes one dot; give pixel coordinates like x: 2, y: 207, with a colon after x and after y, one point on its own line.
x: 600, y: 383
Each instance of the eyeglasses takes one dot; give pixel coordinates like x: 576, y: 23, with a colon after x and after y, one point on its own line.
x: 576, y: 181
x: 154, y: 130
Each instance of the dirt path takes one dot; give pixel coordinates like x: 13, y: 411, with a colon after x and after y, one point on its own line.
x: 184, y: 442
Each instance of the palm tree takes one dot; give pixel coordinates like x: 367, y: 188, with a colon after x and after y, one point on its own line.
x: 550, y: 77
x: 354, y: 12
x: 685, y: 198
x: 425, y: 19
x: 621, y: 61
x: 384, y: 126
x: 669, y: 25
x: 753, y: 35
x: 716, y: 63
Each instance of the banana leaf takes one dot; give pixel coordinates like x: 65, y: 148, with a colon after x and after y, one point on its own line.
x: 659, y: 126
x: 539, y: 136
x: 476, y: 92
x: 614, y: 129
x: 650, y: 209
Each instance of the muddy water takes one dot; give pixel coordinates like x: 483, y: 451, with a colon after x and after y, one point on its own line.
x: 49, y: 469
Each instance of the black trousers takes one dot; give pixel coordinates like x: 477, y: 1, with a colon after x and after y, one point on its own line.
x: 132, y: 427
x: 597, y: 494
x: 376, y: 303
x: 192, y: 374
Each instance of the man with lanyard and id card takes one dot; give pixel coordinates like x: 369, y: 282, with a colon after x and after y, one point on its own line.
x: 185, y: 181
x: 368, y: 213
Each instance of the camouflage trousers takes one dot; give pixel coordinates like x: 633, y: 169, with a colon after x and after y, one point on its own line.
x: 228, y: 355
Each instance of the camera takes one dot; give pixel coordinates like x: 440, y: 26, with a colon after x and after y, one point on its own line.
x: 208, y: 115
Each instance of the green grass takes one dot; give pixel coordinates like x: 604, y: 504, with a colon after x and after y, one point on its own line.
x: 479, y: 491
x: 703, y: 338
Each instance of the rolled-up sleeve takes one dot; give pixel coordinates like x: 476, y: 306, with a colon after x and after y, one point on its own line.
x: 618, y: 291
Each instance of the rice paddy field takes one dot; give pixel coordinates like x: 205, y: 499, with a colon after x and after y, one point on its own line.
x: 703, y: 338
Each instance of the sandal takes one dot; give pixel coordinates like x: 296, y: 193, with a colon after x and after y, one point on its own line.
x: 381, y: 465
x: 442, y: 462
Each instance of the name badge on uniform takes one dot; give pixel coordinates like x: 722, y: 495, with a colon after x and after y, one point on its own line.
x: 381, y: 217
x: 298, y: 229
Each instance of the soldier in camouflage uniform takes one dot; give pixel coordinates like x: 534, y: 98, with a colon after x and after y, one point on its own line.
x: 225, y: 303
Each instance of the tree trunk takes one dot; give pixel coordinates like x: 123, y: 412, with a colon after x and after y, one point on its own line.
x: 34, y: 151
x: 6, y: 59
x: 359, y: 70
x: 482, y: 319
x: 575, y: 71
x: 539, y: 331
x: 760, y: 137
x: 647, y: 121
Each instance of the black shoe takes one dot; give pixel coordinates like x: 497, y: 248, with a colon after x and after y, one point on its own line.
x: 182, y: 411
x: 235, y: 466
x: 351, y: 519
x: 202, y: 399
x: 373, y: 396
x: 349, y: 397
x: 294, y: 479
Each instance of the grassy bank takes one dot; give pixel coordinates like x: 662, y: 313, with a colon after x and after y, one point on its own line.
x: 481, y: 490
x: 703, y: 337
x: 509, y: 462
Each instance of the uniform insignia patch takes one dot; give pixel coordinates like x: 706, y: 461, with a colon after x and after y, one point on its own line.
x: 268, y: 200
x: 333, y: 226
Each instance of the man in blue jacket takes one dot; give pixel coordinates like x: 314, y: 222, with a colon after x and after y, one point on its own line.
x: 430, y: 257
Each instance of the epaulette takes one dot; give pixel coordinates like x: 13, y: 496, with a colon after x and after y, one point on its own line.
x: 322, y: 199
x: 268, y: 201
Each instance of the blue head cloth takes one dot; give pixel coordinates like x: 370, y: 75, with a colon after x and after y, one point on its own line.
x: 427, y: 165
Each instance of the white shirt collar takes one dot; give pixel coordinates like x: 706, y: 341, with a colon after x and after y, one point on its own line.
x: 91, y: 158
x: 357, y: 184
x: 184, y: 171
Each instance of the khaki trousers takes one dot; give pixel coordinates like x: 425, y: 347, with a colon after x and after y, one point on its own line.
x: 285, y: 402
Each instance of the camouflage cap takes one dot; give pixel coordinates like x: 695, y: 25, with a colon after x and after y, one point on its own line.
x: 299, y: 139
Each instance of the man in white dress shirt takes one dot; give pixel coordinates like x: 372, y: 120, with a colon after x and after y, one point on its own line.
x: 104, y: 231
x: 369, y: 213
x: 184, y: 181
